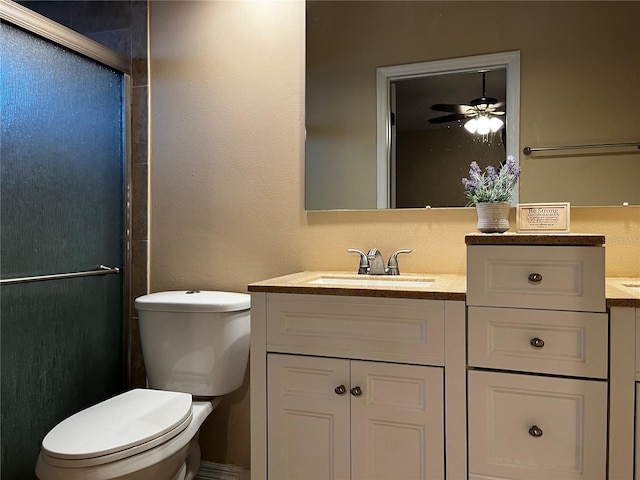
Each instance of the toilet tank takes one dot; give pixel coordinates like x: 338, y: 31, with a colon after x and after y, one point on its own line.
x: 195, y: 341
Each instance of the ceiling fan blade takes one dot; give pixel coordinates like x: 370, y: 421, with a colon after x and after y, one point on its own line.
x: 450, y: 107
x: 448, y: 118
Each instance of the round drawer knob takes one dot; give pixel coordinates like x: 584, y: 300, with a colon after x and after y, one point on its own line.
x: 535, y: 431
x: 536, y: 342
x: 356, y: 391
x: 340, y: 389
x: 535, y: 277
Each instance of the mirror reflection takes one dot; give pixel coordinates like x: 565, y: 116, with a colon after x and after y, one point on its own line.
x: 433, y: 131
x: 433, y: 116
x: 577, y: 88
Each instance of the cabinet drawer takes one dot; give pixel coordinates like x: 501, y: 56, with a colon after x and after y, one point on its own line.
x: 562, y: 343
x: 385, y: 329
x: 543, y: 277
x: 542, y: 428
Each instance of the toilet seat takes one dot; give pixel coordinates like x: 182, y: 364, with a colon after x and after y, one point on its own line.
x: 155, y: 463
x: 122, y: 426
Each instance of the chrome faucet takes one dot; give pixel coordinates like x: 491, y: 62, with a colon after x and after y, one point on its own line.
x: 376, y: 262
x: 372, y: 263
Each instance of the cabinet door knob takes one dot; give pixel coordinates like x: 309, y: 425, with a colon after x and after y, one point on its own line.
x: 535, y: 277
x: 340, y: 389
x: 536, y: 342
x: 356, y: 391
x: 535, y: 431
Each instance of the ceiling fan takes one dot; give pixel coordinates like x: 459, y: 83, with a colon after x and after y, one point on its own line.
x: 479, y: 107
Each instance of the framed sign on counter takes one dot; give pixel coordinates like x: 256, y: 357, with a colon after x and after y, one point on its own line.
x: 543, y: 218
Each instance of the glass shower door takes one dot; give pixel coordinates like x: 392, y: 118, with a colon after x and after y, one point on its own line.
x: 62, y: 160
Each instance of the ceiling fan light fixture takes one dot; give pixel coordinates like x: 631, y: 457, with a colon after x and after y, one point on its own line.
x: 484, y: 125
x: 495, y: 124
x: 471, y: 125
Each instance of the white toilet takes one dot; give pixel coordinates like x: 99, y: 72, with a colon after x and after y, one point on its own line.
x: 195, y: 346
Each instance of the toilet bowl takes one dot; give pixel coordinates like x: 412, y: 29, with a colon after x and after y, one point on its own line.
x: 139, y: 435
x: 195, y: 346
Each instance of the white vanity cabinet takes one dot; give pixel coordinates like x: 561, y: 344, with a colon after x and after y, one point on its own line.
x: 354, y: 387
x: 624, y: 385
x: 538, y: 362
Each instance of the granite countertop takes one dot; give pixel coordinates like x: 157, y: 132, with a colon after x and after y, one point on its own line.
x: 623, y: 292
x: 445, y: 286
x: 619, y: 291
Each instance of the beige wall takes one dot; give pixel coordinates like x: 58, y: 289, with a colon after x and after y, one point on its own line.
x: 227, y: 175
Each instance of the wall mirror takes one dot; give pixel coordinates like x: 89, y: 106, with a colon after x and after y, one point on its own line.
x: 405, y: 146
x: 566, y: 98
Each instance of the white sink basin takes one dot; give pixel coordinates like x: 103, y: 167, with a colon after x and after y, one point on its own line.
x: 372, y: 281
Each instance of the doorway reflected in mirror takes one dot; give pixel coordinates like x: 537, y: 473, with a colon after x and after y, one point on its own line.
x: 430, y: 146
x: 424, y: 142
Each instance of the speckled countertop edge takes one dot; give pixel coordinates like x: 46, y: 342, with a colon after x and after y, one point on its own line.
x: 445, y: 287
x: 508, y: 238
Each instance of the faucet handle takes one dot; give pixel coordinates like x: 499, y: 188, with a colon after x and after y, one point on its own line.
x: 363, y: 268
x: 393, y: 262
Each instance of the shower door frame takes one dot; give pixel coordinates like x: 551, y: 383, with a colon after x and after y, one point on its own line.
x: 47, y: 29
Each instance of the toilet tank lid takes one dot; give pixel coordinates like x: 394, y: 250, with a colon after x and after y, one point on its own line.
x: 194, y: 301
x: 128, y: 420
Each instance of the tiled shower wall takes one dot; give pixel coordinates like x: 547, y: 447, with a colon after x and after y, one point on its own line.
x: 121, y: 26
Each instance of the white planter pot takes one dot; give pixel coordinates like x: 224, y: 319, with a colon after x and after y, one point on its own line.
x: 493, y: 217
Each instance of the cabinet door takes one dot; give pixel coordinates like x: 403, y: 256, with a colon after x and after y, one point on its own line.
x: 308, y: 422
x: 542, y: 428
x: 397, y: 426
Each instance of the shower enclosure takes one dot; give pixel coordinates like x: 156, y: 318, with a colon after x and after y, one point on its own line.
x: 63, y: 233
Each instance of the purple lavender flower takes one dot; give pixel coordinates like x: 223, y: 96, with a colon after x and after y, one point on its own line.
x: 468, y: 184
x: 513, y: 169
x: 492, y: 185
